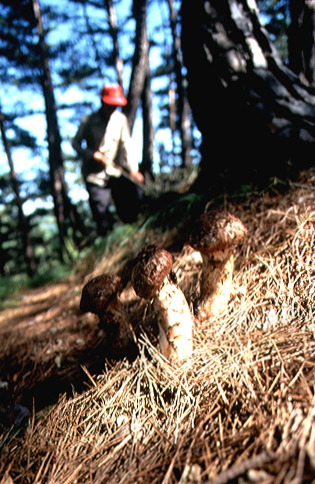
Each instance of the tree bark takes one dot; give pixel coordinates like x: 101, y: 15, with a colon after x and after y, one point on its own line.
x: 139, y: 66
x: 255, y: 116
x: 140, y: 86
x: 112, y: 21
x: 62, y: 204
x: 146, y: 166
x: 184, y: 122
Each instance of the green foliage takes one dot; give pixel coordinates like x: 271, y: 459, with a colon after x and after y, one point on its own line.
x: 56, y: 273
x: 9, y: 287
x: 174, y: 210
x: 12, y: 286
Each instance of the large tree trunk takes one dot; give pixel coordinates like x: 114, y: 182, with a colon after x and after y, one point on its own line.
x: 255, y: 116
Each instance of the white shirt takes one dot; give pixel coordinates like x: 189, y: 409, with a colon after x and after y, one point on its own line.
x: 110, y: 137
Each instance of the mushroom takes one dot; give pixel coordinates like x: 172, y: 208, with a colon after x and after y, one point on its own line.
x: 216, y: 234
x: 151, y: 278
x: 100, y: 296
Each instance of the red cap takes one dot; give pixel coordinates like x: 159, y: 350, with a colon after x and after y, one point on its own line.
x: 113, y: 95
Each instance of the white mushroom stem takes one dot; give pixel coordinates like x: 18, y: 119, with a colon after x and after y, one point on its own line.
x: 175, y: 322
x: 216, y: 282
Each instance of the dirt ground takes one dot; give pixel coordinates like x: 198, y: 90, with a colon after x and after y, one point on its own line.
x: 45, y: 343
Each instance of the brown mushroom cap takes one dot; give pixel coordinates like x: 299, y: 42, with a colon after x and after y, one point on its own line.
x: 152, y: 265
x: 216, y: 230
x: 99, y: 292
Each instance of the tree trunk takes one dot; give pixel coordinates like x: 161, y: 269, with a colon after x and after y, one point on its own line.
x: 63, y: 207
x: 28, y: 248
x: 112, y: 21
x: 256, y: 117
x: 183, y: 107
x: 139, y: 67
x: 140, y: 86
x: 302, y: 39
x: 146, y: 166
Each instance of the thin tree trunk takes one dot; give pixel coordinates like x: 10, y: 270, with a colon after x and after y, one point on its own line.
x: 139, y: 67
x: 62, y: 204
x: 146, y: 166
x: 182, y: 103
x: 54, y: 140
x: 112, y: 21
x: 3, y: 256
x: 28, y: 248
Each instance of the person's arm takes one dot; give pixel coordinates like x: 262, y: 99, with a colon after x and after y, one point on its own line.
x: 131, y: 162
x: 115, y: 170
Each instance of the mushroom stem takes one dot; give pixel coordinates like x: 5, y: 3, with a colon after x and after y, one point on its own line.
x: 175, y: 322
x: 216, y: 283
x: 216, y: 235
x: 151, y: 279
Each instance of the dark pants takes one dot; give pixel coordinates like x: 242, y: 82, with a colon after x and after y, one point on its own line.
x: 127, y: 198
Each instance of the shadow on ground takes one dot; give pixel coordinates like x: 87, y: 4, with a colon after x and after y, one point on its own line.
x: 48, y: 348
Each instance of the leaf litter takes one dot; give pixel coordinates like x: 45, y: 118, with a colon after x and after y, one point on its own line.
x: 242, y: 409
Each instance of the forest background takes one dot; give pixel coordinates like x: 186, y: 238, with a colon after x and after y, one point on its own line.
x: 55, y: 57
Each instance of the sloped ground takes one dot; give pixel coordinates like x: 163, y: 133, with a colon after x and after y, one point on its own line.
x: 242, y: 410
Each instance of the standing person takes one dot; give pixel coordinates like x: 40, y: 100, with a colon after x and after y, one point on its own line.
x: 103, y: 142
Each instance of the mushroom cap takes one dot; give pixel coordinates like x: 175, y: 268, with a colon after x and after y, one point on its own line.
x: 151, y: 267
x: 216, y: 230
x: 99, y: 292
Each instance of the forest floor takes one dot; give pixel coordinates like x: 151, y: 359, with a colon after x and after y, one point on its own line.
x: 241, y: 410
